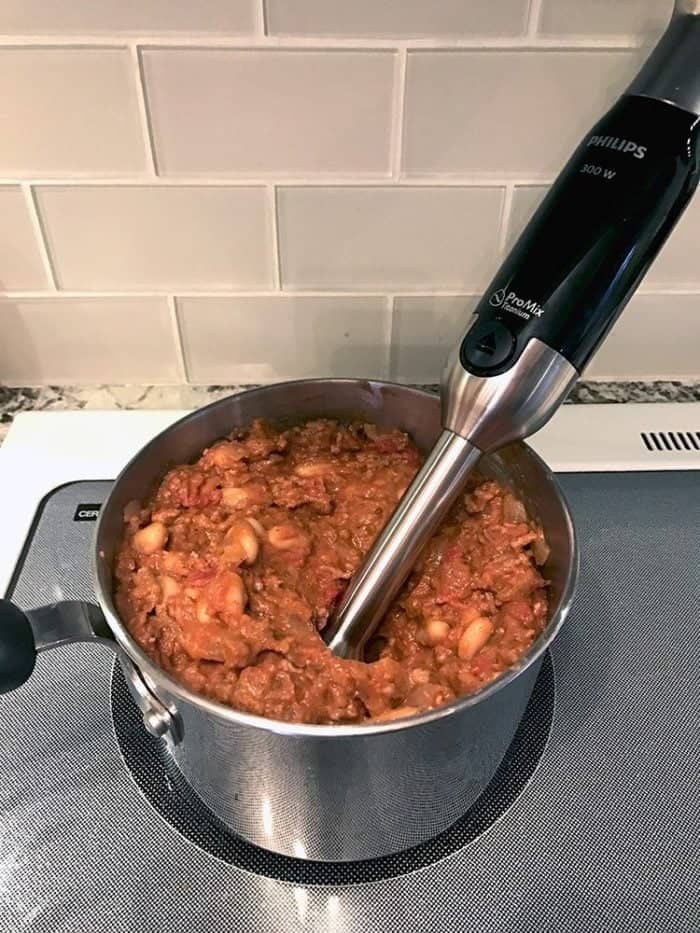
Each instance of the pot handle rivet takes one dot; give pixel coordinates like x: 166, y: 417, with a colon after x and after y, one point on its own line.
x: 157, y: 721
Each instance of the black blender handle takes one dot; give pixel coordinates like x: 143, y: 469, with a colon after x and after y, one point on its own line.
x: 579, y: 260
x: 583, y: 254
x: 17, y: 647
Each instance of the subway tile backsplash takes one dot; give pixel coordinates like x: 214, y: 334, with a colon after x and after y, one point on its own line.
x: 506, y: 114
x: 397, y: 18
x: 84, y: 340
x: 526, y: 199
x: 397, y: 237
x: 20, y: 260
x: 69, y: 112
x: 129, y: 17
x: 296, y: 111
x: 139, y: 237
x: 278, y: 337
x: 254, y: 190
x: 604, y: 17
x: 425, y: 328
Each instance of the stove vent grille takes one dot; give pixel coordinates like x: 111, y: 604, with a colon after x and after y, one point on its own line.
x: 664, y: 441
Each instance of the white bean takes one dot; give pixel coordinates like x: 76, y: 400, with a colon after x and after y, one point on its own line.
x: 259, y: 530
x: 169, y: 587
x: 474, y: 637
x: 234, y: 496
x: 398, y: 713
x: 313, y: 468
x: 226, y: 593
x: 225, y: 456
x: 234, y: 594
x: 150, y: 539
x: 242, y: 543
x: 433, y: 631
x: 287, y: 537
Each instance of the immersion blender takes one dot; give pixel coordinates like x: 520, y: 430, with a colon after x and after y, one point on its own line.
x: 551, y: 304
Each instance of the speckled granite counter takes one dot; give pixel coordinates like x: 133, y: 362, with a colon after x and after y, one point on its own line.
x: 54, y: 398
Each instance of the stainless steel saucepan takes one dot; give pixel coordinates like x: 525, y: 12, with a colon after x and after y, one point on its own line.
x: 331, y: 793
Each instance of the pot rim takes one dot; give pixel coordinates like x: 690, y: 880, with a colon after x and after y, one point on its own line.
x: 163, y: 679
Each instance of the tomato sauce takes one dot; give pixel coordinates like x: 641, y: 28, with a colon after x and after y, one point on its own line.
x: 227, y: 576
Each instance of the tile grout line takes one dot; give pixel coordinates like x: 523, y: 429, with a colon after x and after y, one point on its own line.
x: 398, y: 113
x: 340, y: 292
x: 276, y: 250
x: 42, y: 242
x: 144, y: 117
x: 245, y: 181
x: 389, y: 336
x: 534, y: 17
x: 506, y: 212
x: 261, y: 19
x: 257, y: 41
x: 202, y: 293
x: 177, y: 334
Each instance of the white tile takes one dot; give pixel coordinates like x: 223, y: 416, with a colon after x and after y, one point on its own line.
x: 20, y: 260
x: 657, y: 337
x: 130, y: 238
x: 425, y: 329
x: 396, y: 17
x: 526, y: 199
x: 88, y: 340
x: 368, y: 237
x: 604, y: 17
x: 263, y: 339
x: 505, y: 114
x: 262, y: 111
x: 677, y: 265
x: 69, y: 111
x: 96, y: 17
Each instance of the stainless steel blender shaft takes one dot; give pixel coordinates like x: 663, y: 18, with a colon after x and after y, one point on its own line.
x: 422, y: 508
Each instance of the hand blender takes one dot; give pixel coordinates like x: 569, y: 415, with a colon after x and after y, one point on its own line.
x: 551, y: 304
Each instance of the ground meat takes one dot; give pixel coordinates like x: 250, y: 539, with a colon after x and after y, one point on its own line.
x: 227, y: 576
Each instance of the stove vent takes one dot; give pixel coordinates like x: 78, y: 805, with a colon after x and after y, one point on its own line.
x: 671, y: 440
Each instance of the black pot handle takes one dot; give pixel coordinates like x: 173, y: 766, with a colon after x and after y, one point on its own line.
x: 24, y: 634
x: 17, y: 647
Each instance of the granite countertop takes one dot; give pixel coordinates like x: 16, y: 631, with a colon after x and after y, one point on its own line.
x: 110, y: 397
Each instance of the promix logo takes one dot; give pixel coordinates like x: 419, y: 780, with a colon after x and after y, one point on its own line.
x: 510, y: 301
x: 620, y: 145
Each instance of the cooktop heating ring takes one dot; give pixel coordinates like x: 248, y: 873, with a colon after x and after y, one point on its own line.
x: 163, y: 785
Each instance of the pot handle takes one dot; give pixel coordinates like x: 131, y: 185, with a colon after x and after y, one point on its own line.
x: 24, y: 634
x: 17, y: 647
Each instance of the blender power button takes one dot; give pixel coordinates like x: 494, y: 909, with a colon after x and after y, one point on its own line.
x: 487, y: 344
